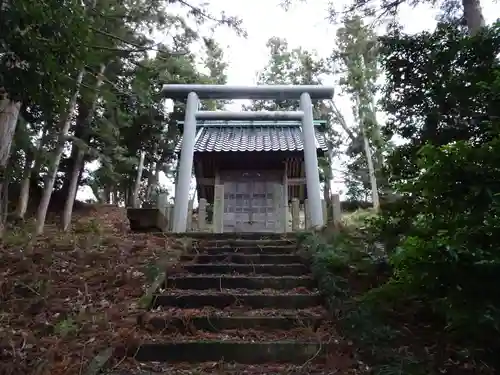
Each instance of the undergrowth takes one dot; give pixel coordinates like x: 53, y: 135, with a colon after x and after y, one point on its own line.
x: 346, y: 269
x: 395, y: 332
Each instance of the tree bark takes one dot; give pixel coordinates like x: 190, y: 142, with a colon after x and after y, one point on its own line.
x: 152, y: 176
x: 327, y: 191
x: 39, y: 154
x: 137, y: 185
x: 341, y: 120
x: 72, y: 190
x: 366, y: 141
x: 153, y: 180
x: 80, y: 132
x: 51, y: 176
x: 371, y: 170
x: 473, y: 15
x: 9, y: 114
x: 24, y: 194
x: 98, y: 194
x: 78, y: 162
x: 115, y: 199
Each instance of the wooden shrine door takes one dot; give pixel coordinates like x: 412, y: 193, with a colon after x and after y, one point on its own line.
x: 250, y: 201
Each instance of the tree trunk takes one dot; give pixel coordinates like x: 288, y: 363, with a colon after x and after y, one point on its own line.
x: 52, y: 174
x: 115, y: 200
x: 152, y: 176
x: 78, y: 162
x: 337, y: 115
x: 22, y: 204
x: 473, y: 15
x: 327, y: 191
x: 366, y: 140
x: 80, y: 132
x: 137, y: 185
x: 153, y: 180
x: 126, y: 195
x: 9, y: 114
x: 98, y: 194
x: 72, y: 190
x: 371, y: 171
x: 39, y: 153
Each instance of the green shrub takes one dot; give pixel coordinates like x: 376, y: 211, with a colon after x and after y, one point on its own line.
x: 345, y: 269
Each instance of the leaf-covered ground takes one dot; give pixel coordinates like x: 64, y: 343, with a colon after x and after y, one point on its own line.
x: 66, y: 296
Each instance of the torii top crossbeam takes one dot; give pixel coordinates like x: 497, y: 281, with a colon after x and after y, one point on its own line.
x: 259, y: 92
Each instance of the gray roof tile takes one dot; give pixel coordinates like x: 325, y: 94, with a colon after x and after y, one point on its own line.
x: 252, y: 138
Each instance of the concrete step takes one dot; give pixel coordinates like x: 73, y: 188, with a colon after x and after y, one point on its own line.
x: 222, y: 369
x: 260, y: 269
x: 202, y: 282
x: 166, y: 323
x: 242, y: 258
x: 229, y: 351
x: 244, y: 243
x: 223, y: 300
x: 247, y: 249
x: 255, y: 236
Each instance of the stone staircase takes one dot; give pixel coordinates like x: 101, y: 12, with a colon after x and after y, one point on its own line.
x: 249, y: 301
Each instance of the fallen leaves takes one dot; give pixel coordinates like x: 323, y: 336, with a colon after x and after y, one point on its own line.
x: 69, y: 295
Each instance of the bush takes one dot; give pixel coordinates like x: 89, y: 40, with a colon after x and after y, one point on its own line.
x: 347, y: 267
x: 448, y: 254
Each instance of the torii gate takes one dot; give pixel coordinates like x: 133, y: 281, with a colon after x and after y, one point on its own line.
x: 193, y: 93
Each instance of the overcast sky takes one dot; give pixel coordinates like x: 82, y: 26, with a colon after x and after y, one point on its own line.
x: 304, y: 25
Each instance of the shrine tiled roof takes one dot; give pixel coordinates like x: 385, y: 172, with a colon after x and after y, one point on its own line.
x: 233, y: 136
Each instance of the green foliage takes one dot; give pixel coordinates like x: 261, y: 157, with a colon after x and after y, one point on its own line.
x: 355, y: 60
x: 91, y: 226
x: 289, y: 67
x: 440, y: 88
x: 442, y: 237
x: 66, y: 327
x: 296, y: 66
x: 18, y: 235
x: 345, y: 267
x: 448, y: 254
x: 44, y: 47
x: 42, y: 44
x: 152, y: 271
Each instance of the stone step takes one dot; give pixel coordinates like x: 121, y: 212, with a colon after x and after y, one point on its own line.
x: 202, y: 282
x: 242, y: 258
x: 237, y: 369
x: 260, y: 269
x: 225, y: 368
x: 167, y: 323
x: 223, y: 300
x: 244, y: 243
x: 229, y: 351
x: 190, y: 333
x: 276, y: 250
x: 228, y: 236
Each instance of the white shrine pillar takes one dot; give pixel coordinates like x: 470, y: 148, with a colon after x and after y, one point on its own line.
x: 185, y: 165
x: 311, y: 162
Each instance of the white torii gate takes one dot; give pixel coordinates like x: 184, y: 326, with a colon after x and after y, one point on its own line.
x: 194, y: 93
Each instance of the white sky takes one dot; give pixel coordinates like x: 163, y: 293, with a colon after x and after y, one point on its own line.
x: 304, y: 25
